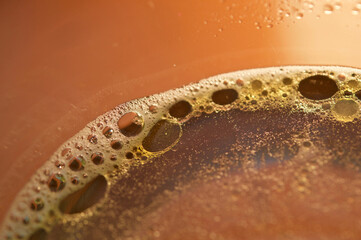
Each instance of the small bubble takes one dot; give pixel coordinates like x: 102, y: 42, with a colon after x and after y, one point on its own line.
x: 37, y: 204
x: 180, y: 109
x: 328, y: 9
x: 341, y: 77
x: 318, y: 87
x: 56, y: 182
x: 346, y: 109
x: 78, y: 146
x: 116, y: 145
x: 97, y: 158
x: 77, y: 163
x: 26, y: 220
x: 129, y: 155
x: 353, y: 84
x: 65, y: 151
x: 93, y: 139
x: 108, y: 132
x: 46, y: 172
x: 130, y: 124
x: 326, y: 106
x: 256, y: 85
x: 209, y: 109
x: 287, y: 81
x: 153, y: 109
x: 239, y: 82
x: 59, y: 164
x: 224, y: 96
x: 347, y: 93
x: 75, y: 180
x: 113, y: 157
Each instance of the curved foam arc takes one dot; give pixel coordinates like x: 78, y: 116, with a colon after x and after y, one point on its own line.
x: 197, y: 94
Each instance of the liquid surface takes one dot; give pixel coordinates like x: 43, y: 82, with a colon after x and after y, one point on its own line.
x: 255, y: 153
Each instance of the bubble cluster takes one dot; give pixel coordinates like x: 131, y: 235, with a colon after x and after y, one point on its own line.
x: 262, y: 117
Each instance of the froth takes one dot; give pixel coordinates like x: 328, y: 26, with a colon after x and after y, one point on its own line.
x: 139, y: 130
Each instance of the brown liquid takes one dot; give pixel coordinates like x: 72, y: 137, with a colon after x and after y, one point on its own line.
x: 293, y: 126
x: 66, y: 54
